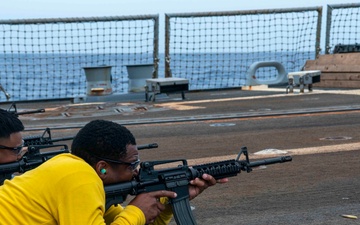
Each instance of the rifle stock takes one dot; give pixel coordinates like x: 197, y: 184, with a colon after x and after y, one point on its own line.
x: 177, y: 179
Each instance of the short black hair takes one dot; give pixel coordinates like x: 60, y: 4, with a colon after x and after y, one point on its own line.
x: 9, y: 123
x: 102, y: 138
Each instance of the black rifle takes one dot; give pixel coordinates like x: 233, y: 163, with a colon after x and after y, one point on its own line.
x: 32, y: 159
x: 44, y: 139
x: 177, y: 180
x: 147, y: 146
x: 13, y: 110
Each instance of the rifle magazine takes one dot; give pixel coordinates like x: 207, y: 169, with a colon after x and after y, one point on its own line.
x: 182, y: 212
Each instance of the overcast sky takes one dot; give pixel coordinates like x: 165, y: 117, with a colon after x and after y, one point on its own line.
x: 21, y: 9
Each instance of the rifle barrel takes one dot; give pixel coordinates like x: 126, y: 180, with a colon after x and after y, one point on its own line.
x: 147, y: 146
x: 270, y: 161
x: 30, y: 112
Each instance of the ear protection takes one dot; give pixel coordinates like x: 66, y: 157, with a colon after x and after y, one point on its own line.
x: 103, y: 171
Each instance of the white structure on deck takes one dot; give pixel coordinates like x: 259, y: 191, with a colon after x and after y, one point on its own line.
x: 252, y: 80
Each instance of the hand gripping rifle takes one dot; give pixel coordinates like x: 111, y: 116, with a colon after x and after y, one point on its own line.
x: 177, y: 179
x: 32, y: 159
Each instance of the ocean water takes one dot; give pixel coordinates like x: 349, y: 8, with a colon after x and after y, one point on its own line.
x: 53, y: 76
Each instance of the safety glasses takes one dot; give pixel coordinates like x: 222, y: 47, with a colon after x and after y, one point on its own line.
x: 15, y: 149
x: 132, y: 165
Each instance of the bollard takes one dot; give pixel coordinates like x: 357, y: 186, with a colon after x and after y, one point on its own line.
x: 98, y: 80
x: 138, y: 74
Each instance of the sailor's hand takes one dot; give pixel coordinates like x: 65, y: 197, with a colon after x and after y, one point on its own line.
x: 149, y: 203
x: 197, y: 186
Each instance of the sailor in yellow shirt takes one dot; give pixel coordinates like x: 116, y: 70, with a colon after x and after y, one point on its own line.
x: 69, y: 188
x: 11, y: 142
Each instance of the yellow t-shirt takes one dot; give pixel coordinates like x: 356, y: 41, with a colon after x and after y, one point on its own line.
x: 64, y: 190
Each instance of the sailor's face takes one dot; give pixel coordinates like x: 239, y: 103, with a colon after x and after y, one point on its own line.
x: 11, y: 149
